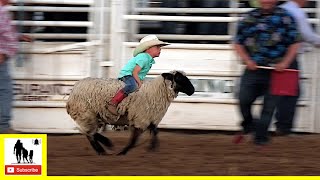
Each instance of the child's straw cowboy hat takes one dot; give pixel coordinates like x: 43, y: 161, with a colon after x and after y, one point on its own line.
x: 147, y: 42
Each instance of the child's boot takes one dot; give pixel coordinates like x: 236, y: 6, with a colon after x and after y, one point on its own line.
x: 112, y: 105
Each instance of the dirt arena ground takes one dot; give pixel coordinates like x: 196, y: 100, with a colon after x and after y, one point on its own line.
x: 186, y: 153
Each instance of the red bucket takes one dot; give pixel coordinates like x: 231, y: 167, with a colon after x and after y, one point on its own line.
x: 284, y: 83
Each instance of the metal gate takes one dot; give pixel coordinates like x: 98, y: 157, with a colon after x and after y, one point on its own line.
x: 206, y: 55
x: 200, y: 33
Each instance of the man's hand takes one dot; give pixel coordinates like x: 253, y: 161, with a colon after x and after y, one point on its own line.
x: 281, y: 66
x: 25, y: 38
x: 251, y: 65
x: 2, y: 58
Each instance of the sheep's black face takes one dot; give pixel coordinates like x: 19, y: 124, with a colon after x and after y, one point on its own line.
x: 182, y: 83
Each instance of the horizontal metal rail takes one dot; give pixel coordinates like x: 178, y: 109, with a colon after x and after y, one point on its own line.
x: 187, y: 37
x: 192, y: 10
x: 68, y: 47
x: 180, y: 18
x: 203, y: 74
x: 66, y: 35
x: 58, y: 36
x: 55, y: 9
x: 74, y: 2
x: 42, y: 104
x: 179, y: 99
x: 203, y: 10
x: 47, y: 78
x: 55, y: 23
x: 208, y: 74
x: 190, y: 18
x: 61, y: 104
x: 189, y: 46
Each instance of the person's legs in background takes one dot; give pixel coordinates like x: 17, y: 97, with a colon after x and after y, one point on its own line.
x: 254, y: 84
x: 249, y: 91
x: 285, y: 113
x: 262, y: 126
x: 247, y: 96
x: 285, y: 110
x: 6, y: 97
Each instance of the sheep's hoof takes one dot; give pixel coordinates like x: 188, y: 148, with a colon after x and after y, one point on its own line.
x: 154, y: 145
x: 121, y: 153
x: 110, y: 152
x: 101, y: 153
x: 111, y: 148
x: 152, y: 148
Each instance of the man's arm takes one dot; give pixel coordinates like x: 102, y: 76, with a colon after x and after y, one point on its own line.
x: 251, y: 65
x: 9, y: 43
x: 306, y: 30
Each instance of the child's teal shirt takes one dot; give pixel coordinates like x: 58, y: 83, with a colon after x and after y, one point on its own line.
x: 144, y: 60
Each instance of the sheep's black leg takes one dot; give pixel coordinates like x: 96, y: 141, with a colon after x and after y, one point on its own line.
x: 104, y: 140
x: 134, y: 137
x: 96, y: 146
x: 154, y: 140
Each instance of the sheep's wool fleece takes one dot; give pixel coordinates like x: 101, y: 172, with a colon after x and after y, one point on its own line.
x: 89, y: 98
x: 149, y: 104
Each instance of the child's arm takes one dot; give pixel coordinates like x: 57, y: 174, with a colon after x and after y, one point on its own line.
x: 135, y: 73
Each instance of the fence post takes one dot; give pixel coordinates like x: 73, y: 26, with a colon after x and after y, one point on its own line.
x: 117, y: 35
x: 316, y: 114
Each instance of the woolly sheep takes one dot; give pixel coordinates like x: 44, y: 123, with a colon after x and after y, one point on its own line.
x: 141, y: 110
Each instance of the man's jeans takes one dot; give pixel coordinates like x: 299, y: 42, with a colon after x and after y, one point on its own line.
x: 6, y: 96
x: 286, y: 108
x: 131, y: 84
x: 254, y: 84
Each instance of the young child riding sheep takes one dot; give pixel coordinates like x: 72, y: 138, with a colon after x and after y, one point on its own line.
x: 134, y: 72
x: 95, y: 102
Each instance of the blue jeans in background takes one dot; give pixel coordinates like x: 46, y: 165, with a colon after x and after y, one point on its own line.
x: 6, y: 96
x: 253, y: 85
x: 286, y: 108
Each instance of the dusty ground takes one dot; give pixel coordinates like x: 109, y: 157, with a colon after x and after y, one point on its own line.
x: 186, y: 153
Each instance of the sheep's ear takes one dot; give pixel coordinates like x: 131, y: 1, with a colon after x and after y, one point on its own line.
x: 167, y: 76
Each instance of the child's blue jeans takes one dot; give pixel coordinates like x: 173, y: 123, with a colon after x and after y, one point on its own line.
x: 131, y: 84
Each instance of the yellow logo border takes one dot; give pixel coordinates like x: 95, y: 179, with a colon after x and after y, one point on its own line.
x: 44, y: 154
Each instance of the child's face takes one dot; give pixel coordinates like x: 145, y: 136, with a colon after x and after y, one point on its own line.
x: 154, y: 51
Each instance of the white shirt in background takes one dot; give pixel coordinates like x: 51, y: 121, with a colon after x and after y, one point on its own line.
x: 304, y: 27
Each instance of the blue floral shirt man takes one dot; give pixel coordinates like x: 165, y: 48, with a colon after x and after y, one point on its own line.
x: 266, y: 37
